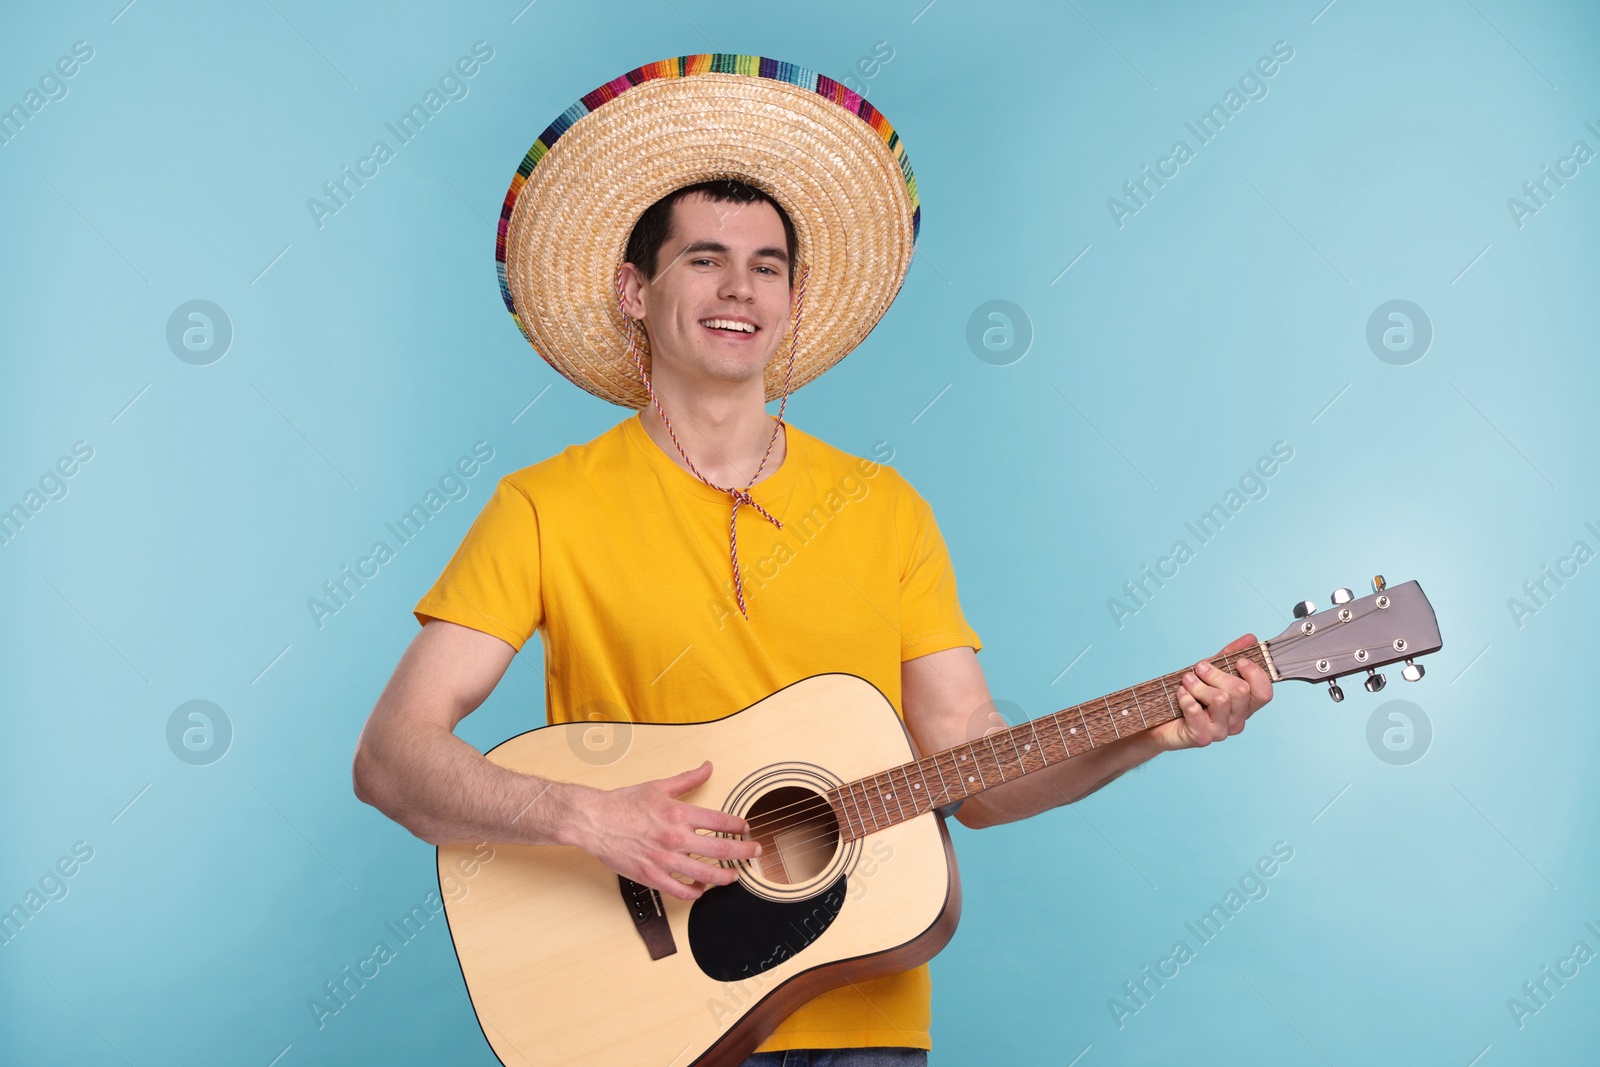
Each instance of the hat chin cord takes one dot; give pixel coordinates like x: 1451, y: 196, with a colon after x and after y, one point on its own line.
x: 740, y: 496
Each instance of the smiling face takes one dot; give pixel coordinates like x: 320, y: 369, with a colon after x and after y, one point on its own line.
x: 719, y: 302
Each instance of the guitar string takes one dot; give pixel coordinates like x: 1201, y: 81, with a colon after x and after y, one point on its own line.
x: 1284, y: 655
x: 816, y: 804
x: 829, y: 837
x: 799, y: 812
x: 1295, y: 664
x: 810, y: 800
x: 1279, y: 649
x: 1286, y: 645
x: 1287, y: 656
x: 1227, y: 663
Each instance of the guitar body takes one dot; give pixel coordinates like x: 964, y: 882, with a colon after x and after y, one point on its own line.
x: 564, y: 966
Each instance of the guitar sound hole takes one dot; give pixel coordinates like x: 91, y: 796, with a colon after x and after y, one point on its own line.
x: 797, y: 832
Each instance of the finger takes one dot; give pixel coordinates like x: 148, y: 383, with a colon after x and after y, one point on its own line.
x: 726, y: 848
x: 1260, y: 681
x: 1194, y: 717
x: 1236, y: 687
x: 1215, y: 702
x: 1210, y: 684
x: 679, y: 784
x: 657, y: 875
x: 712, y: 819
x: 698, y: 871
x: 1238, y: 645
x: 707, y: 850
x: 674, y: 888
x: 681, y: 876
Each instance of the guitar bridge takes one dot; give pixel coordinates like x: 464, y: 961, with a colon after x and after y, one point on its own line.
x: 649, y: 917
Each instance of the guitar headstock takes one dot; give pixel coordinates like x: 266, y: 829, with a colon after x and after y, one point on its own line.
x: 1391, y: 624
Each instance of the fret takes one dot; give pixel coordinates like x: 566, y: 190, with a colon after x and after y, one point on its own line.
x: 1011, y: 736
x: 1122, y: 710
x: 1065, y: 746
x: 942, y: 783
x: 1138, y: 706
x: 968, y: 758
x: 1086, y: 731
x: 844, y: 809
x: 926, y: 793
x: 1112, y: 715
x: 977, y: 765
x: 866, y: 802
x: 894, y: 794
x: 955, y: 772
x: 1044, y: 760
x: 997, y: 764
x: 1177, y: 712
x: 902, y: 792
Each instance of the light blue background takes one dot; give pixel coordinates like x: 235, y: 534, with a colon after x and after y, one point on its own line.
x: 1228, y: 314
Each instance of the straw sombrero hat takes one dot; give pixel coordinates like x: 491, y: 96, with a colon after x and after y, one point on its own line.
x: 823, y: 152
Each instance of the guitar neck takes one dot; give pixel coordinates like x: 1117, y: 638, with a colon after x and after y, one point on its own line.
x: 911, y: 789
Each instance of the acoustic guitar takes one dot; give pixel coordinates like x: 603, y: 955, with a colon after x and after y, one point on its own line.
x: 568, y: 963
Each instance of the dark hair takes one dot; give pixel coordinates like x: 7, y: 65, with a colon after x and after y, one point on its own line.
x: 655, y: 225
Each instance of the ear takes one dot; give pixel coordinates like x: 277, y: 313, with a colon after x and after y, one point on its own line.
x: 633, y: 282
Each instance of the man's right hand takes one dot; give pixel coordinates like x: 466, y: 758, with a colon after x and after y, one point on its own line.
x: 410, y: 765
x: 644, y: 833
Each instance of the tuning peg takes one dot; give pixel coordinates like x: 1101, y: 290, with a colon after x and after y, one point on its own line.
x: 1412, y: 672
x: 1304, y: 608
x: 1342, y: 596
x: 1375, y: 681
x: 1335, y: 692
x: 1378, y: 584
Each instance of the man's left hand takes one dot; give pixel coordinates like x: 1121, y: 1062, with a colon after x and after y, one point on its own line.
x: 1215, y: 704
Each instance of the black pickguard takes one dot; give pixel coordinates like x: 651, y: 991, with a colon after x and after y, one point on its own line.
x: 735, y: 934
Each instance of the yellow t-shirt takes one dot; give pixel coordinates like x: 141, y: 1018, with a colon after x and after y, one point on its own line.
x: 619, y: 558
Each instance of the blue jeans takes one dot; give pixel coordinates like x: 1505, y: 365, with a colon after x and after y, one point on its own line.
x: 841, y: 1057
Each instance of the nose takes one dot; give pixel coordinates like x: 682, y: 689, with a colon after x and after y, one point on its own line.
x: 736, y: 285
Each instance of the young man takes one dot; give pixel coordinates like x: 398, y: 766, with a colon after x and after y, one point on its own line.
x: 652, y: 602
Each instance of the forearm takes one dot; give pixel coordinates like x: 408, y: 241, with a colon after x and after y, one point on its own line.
x: 1063, y: 783
x: 443, y: 790
x: 446, y: 792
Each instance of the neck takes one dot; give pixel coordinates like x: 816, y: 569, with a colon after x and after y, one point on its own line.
x: 726, y: 434
x: 904, y: 792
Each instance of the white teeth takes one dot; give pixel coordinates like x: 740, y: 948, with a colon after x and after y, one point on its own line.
x: 728, y: 324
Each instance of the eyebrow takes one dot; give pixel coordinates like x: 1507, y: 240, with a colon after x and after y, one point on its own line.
x: 721, y: 249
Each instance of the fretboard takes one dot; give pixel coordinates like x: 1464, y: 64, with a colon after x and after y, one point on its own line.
x: 911, y: 789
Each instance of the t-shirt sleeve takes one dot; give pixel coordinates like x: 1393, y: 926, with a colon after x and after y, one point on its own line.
x: 492, y: 582
x: 930, y: 612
